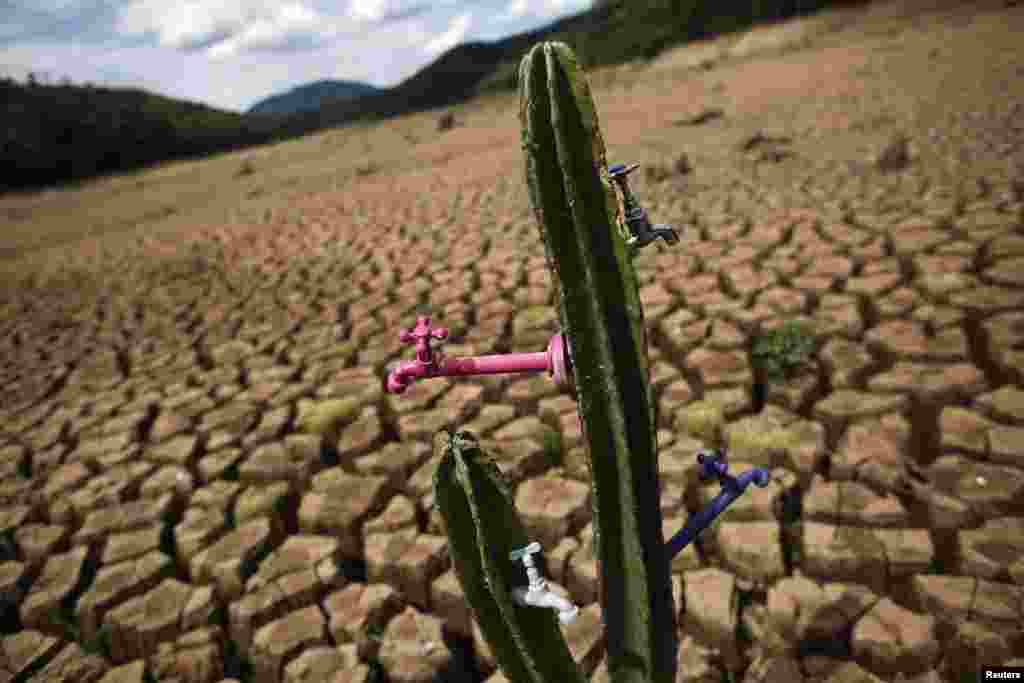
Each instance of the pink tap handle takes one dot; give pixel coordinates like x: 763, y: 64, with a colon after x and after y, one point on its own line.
x: 421, y: 335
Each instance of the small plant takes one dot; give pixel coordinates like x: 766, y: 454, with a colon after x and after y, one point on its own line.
x: 374, y: 631
x: 553, y: 448
x: 783, y: 350
x: 101, y: 644
x: 8, y: 548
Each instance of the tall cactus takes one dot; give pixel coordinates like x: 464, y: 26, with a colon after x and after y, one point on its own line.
x: 599, y: 305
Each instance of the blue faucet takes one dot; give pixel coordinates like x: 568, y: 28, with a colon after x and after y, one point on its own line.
x: 713, y: 465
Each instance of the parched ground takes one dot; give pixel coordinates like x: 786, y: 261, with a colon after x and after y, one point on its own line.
x: 202, y: 477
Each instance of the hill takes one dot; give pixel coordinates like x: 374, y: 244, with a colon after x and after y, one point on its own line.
x: 612, y: 32
x: 60, y: 133
x: 311, y: 97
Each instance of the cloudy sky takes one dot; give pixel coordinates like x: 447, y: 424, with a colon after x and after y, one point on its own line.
x: 231, y: 53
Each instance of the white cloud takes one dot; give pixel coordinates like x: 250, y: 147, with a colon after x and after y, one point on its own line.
x: 453, y: 36
x: 231, y: 53
x: 543, y: 9
x: 518, y: 8
x: 368, y: 10
x: 223, y: 27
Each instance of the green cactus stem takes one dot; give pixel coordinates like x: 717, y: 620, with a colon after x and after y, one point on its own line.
x: 483, y: 529
x: 599, y: 304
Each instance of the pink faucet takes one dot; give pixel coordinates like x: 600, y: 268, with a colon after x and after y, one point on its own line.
x: 555, y: 360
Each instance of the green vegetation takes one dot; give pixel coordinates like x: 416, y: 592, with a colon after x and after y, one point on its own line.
x: 100, y: 644
x: 554, y: 450
x: 61, y: 133
x: 783, y: 350
x: 8, y: 548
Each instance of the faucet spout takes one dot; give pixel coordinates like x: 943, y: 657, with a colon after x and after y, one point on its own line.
x: 544, y: 597
x: 406, y: 373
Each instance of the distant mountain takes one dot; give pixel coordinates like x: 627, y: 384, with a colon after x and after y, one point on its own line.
x: 610, y: 32
x: 311, y: 97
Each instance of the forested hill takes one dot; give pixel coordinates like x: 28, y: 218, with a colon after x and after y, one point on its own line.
x: 59, y: 133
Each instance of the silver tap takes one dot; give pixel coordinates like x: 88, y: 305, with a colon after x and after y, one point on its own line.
x: 537, y: 593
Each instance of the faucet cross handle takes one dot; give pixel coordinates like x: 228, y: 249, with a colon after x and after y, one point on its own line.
x: 421, y: 336
x: 713, y: 464
x: 525, y: 553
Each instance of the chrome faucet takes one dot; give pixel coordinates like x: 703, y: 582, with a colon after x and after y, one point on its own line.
x: 537, y: 593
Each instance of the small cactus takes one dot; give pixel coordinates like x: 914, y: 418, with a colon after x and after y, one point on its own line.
x: 483, y: 530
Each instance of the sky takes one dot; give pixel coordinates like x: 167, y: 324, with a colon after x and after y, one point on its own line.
x: 232, y: 53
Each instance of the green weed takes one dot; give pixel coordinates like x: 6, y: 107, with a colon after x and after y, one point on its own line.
x: 8, y: 548
x: 782, y: 351
x: 554, y: 449
x: 101, y: 644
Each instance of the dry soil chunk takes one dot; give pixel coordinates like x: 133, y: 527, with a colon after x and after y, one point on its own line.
x: 891, y: 639
x: 413, y: 648
x: 990, y: 552
x: 991, y: 490
x: 710, y: 609
x: 23, y: 651
x: 843, y: 553
x: 407, y: 560
x: 752, y: 549
x: 62, y: 579
x: 359, y: 608
x: 338, y: 505
x: 552, y: 507
x: 73, y: 664
x: 848, y: 502
x: 116, y: 584
x: 229, y: 562
x: 277, y: 643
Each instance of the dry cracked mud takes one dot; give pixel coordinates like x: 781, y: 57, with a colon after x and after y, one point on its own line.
x: 204, y: 479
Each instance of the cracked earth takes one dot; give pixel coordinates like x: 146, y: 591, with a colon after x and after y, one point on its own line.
x: 203, y: 478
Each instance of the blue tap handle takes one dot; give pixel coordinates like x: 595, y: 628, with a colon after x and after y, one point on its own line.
x: 713, y: 464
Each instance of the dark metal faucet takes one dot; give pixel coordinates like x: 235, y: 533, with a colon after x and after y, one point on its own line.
x: 640, y: 228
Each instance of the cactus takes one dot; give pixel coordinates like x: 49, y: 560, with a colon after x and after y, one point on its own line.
x: 483, y: 530
x: 589, y: 247
x: 599, y: 305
